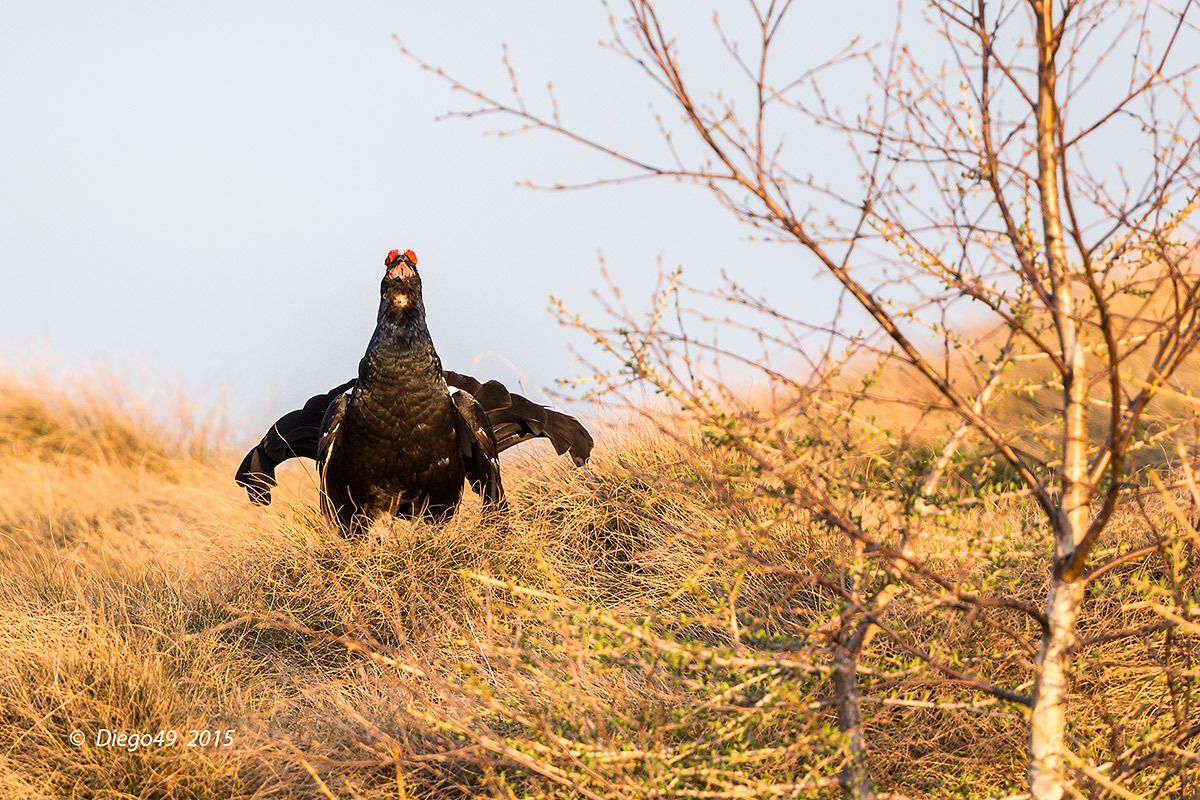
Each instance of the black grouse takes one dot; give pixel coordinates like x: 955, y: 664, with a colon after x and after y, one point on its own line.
x: 396, y: 440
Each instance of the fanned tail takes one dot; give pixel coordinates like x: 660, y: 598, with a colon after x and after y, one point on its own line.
x: 513, y: 419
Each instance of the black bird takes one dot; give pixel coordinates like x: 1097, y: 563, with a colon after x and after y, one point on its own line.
x: 395, y: 440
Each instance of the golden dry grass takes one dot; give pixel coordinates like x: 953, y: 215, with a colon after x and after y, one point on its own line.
x: 616, y: 637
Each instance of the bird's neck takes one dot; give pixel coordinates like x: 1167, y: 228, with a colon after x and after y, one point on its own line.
x: 400, y: 356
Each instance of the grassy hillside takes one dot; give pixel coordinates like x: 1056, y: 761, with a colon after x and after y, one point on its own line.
x: 628, y: 632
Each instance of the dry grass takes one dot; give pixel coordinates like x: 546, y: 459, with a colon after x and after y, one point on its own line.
x: 615, y: 637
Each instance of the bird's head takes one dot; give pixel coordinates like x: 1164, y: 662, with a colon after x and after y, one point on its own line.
x: 401, y: 266
x: 401, y: 287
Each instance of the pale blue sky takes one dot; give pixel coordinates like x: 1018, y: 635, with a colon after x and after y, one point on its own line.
x: 199, y: 197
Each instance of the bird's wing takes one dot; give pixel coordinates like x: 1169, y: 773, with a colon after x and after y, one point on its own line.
x: 333, y: 509
x: 464, y: 382
x: 295, y: 434
x: 516, y: 419
x: 331, y: 419
x: 480, y: 455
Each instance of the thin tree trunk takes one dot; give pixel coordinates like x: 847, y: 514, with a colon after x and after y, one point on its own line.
x: 1048, y: 722
x: 856, y: 776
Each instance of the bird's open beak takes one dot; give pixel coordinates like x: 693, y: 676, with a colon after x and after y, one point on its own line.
x: 400, y: 271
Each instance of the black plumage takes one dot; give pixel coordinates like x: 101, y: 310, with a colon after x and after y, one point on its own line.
x: 395, y: 440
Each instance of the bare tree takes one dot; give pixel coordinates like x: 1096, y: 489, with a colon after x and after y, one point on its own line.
x: 1037, y: 182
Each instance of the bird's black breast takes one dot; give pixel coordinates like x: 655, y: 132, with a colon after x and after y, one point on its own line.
x: 396, y: 448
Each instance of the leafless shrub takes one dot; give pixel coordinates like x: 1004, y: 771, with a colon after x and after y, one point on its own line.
x: 1018, y: 251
